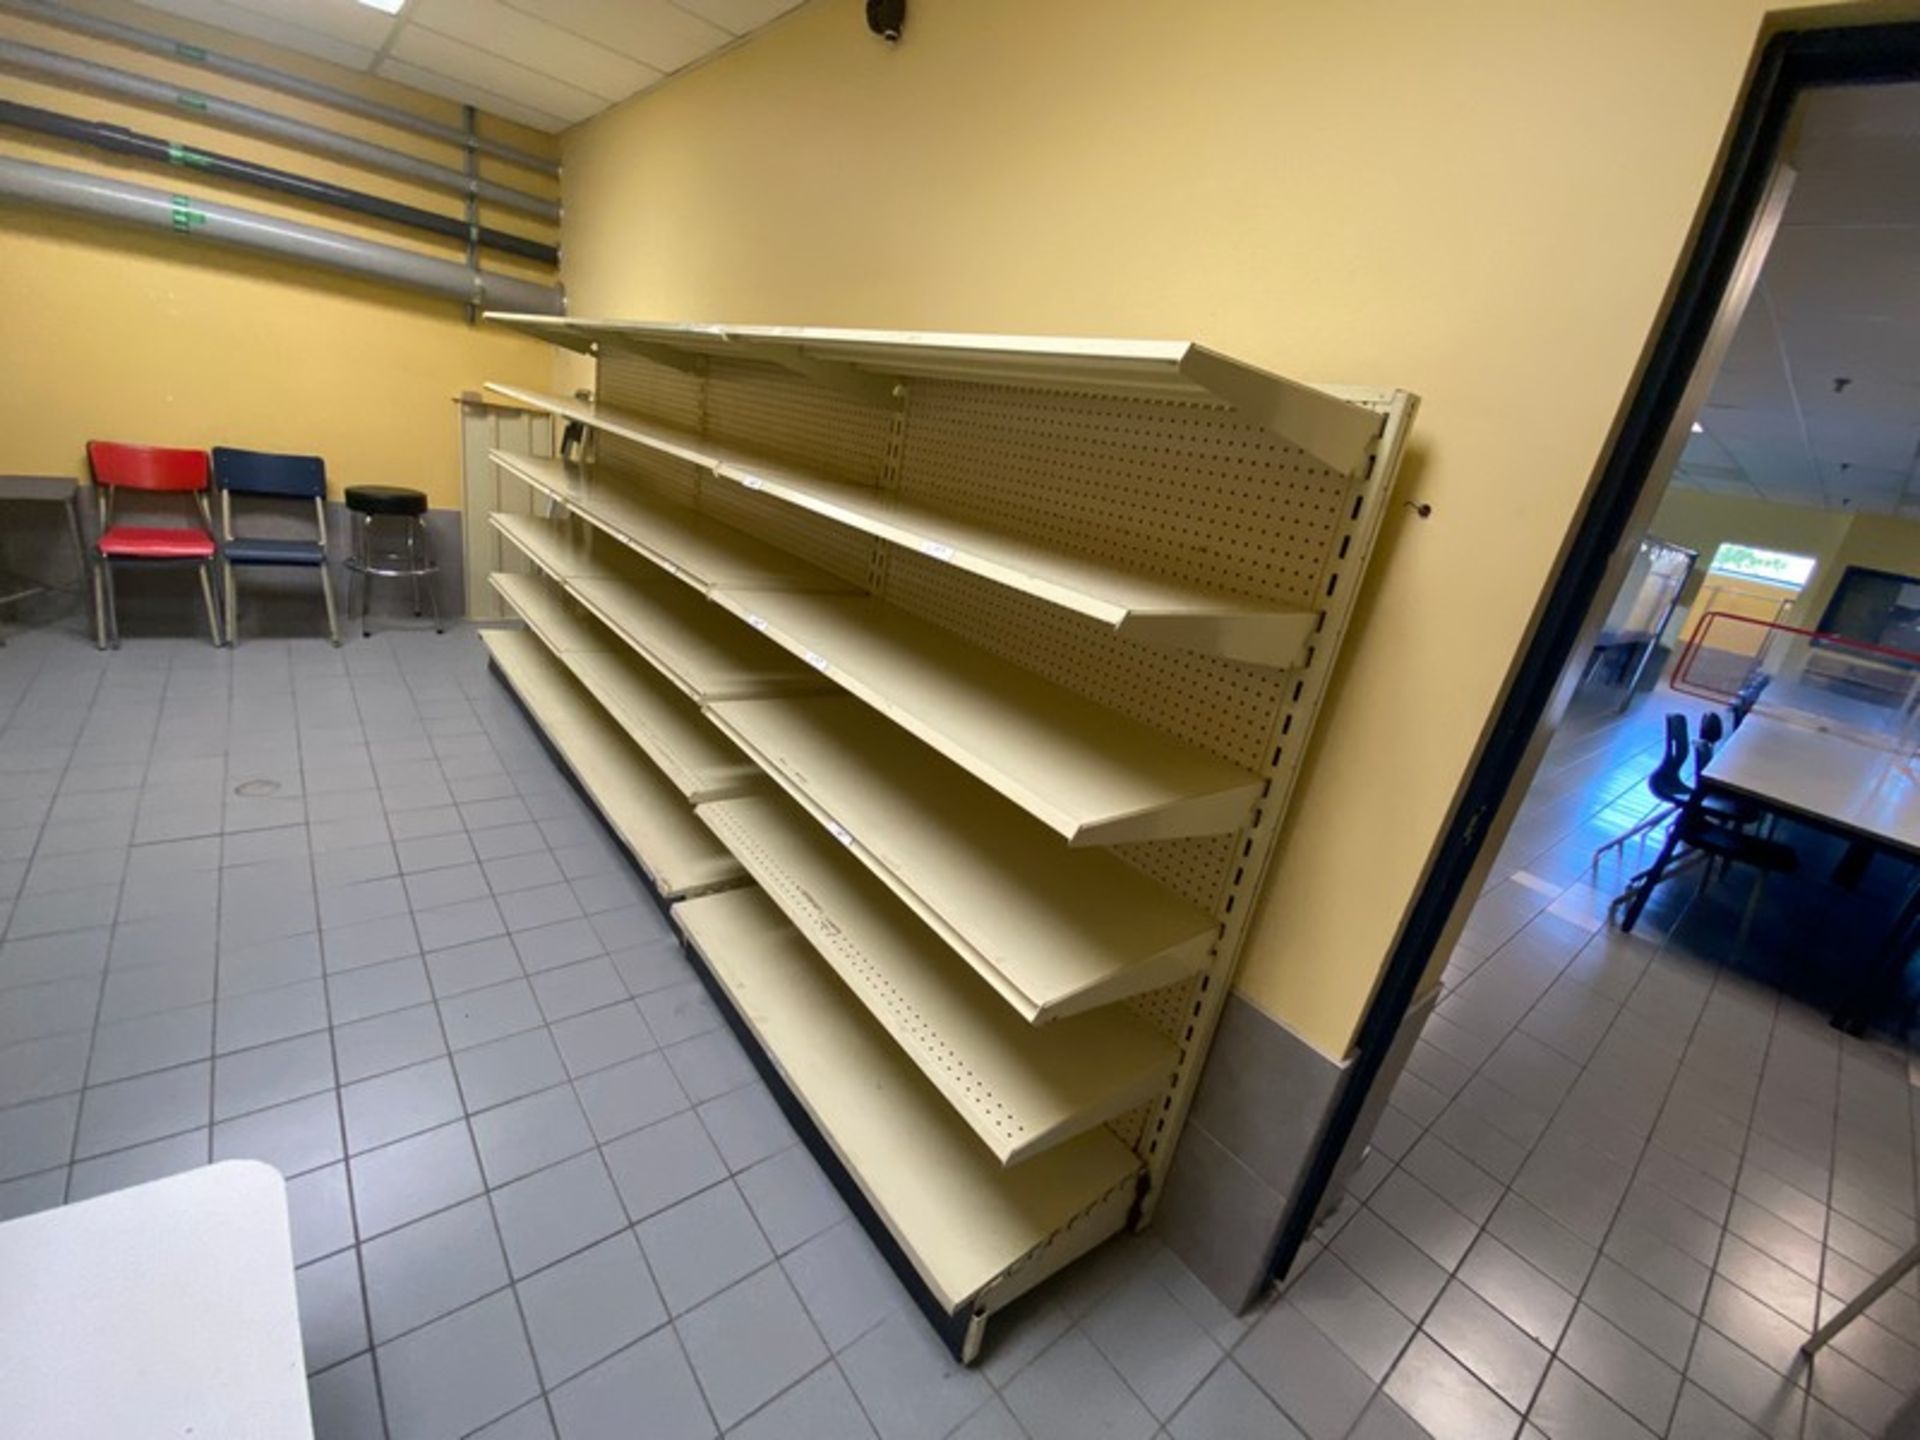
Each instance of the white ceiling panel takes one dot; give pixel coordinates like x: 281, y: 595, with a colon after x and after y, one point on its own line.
x: 515, y: 35
x: 655, y: 31
x: 345, y: 20
x: 544, y: 63
x: 255, y: 25
x: 461, y: 93
x: 1838, y: 301
x: 738, y: 16
x: 468, y: 64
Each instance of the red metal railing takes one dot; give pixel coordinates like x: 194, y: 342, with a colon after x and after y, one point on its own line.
x: 1720, y: 672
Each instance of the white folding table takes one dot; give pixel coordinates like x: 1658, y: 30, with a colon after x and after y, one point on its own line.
x: 1829, y: 778
x: 166, y: 1309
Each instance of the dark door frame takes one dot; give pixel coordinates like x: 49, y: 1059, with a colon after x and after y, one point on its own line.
x: 1788, y: 64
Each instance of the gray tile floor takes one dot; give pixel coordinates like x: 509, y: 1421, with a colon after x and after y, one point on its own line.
x: 338, y: 911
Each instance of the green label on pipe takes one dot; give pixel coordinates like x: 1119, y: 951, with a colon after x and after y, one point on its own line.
x: 178, y: 154
x: 186, y: 219
x: 189, y: 52
x: 188, y: 100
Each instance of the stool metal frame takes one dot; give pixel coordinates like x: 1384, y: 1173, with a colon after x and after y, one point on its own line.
x: 420, y: 566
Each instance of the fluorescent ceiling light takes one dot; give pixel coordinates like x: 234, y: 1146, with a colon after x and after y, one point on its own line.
x: 1698, y: 428
x: 385, y: 7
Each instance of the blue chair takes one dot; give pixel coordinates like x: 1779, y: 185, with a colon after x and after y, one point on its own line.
x: 259, y: 475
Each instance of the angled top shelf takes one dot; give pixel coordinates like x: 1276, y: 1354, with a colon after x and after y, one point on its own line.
x: 691, y: 546
x: 1160, y: 612
x: 1086, y: 771
x: 1055, y: 931
x: 1022, y: 1090
x: 680, y: 855
x: 1335, y: 431
x: 962, y: 1219
x: 694, y: 645
x: 664, y: 722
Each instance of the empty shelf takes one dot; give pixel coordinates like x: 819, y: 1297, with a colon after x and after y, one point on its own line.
x: 1022, y: 1090
x: 688, y: 748
x: 679, y: 854
x: 686, y: 544
x: 961, y: 1218
x: 551, y: 546
x: 1054, y: 930
x: 1155, y: 611
x: 1088, y: 772
x: 700, y: 650
x: 1337, y: 431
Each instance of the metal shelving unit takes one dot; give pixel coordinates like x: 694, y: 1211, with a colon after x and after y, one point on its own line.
x: 987, y: 663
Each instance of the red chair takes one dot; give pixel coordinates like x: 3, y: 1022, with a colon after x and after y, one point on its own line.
x: 152, y: 470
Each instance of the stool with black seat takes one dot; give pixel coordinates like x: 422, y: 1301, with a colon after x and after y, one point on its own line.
x: 1710, y: 835
x: 409, y: 558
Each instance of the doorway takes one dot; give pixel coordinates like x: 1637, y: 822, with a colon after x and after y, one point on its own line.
x: 1654, y: 443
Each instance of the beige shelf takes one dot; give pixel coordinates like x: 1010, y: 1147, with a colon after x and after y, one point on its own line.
x: 1022, y: 1090
x: 962, y: 1220
x: 864, y: 362
x: 1154, y: 611
x: 551, y: 546
x: 1086, y: 771
x: 686, y: 544
x: 690, y: 751
x: 699, y: 649
x: 680, y: 855
x: 1053, y: 930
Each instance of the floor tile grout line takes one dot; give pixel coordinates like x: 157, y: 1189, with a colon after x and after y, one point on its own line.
x: 340, y: 1119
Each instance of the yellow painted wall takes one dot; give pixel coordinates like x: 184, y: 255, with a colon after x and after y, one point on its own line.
x: 1482, y: 201
x: 1874, y: 542
x: 128, y: 334
x: 1704, y: 522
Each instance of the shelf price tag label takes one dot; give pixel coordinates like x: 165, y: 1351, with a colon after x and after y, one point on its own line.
x: 936, y: 550
x: 839, y: 832
x: 752, y: 482
x: 756, y: 622
x: 817, y: 661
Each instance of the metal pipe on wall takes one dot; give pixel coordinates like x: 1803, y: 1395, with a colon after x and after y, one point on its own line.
x: 118, y: 140
x: 270, y: 78
x: 234, y: 115
x: 70, y: 190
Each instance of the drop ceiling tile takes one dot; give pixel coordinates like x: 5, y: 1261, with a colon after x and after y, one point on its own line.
x: 224, y: 16
x: 1871, y: 444
x: 402, y: 73
x: 469, y: 65
x: 1857, y: 180
x: 1861, y: 110
x: 1839, y: 273
x: 517, y: 36
x: 738, y: 16
x: 654, y: 31
x: 345, y: 20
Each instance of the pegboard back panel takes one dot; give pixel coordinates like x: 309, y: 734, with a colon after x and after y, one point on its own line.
x: 1221, y: 705
x: 1184, y: 491
x: 785, y: 416
x: 632, y: 382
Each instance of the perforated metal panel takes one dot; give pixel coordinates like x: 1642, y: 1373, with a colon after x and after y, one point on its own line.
x: 1177, y: 489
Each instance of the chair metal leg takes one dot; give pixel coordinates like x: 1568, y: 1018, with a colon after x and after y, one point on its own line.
x: 113, y: 607
x: 1649, y: 878
x: 366, y: 581
x: 1665, y: 812
x: 433, y: 594
x: 413, y: 560
x: 99, y: 605
x: 213, y: 612
x: 326, y: 591
x: 232, y: 593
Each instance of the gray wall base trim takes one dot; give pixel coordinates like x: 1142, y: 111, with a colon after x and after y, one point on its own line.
x: 1258, y: 1119
x: 1263, y: 1100
x: 274, y: 603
